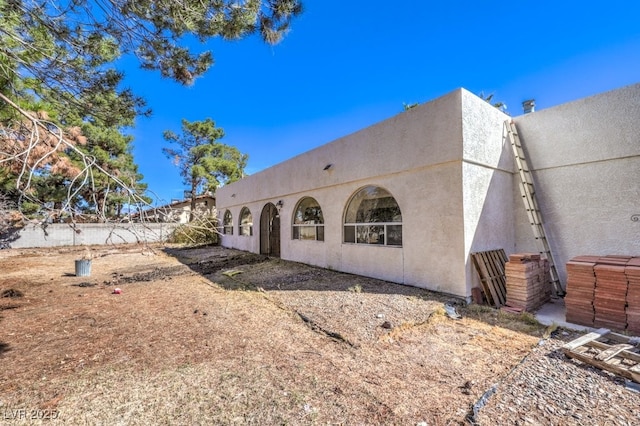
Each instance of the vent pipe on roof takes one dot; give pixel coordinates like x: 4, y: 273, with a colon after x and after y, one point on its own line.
x: 529, y: 106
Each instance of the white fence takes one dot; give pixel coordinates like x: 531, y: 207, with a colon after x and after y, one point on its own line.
x: 61, y: 234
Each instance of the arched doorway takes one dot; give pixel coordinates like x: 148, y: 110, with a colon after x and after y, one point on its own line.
x: 270, y: 231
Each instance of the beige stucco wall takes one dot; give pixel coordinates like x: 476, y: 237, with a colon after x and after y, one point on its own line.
x: 416, y: 156
x: 487, y: 172
x: 450, y: 167
x: 585, y: 157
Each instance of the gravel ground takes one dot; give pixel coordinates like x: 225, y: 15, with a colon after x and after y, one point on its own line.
x: 548, y: 388
x: 311, y: 345
x: 357, y: 309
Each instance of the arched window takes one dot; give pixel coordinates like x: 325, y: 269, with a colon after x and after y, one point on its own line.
x: 308, y: 223
x: 246, y: 222
x: 227, y: 223
x: 373, y: 217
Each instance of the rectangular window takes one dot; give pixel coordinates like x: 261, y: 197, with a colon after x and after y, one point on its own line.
x: 370, y: 234
x: 385, y: 234
x: 349, y: 234
x: 308, y: 232
x: 394, y: 235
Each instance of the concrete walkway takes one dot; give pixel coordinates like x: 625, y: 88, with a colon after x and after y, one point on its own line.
x: 554, y: 312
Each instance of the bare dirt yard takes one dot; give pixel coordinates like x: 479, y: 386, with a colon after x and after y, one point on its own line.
x: 216, y: 336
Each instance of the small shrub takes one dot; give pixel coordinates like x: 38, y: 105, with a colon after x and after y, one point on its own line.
x: 202, y: 231
x: 529, y: 318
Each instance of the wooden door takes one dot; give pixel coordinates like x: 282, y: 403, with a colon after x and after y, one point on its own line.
x: 270, y: 231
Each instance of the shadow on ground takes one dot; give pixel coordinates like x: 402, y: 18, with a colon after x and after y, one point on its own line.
x: 4, y: 347
x: 293, y: 283
x: 239, y: 270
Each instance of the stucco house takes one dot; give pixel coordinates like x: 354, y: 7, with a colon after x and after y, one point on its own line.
x: 409, y: 199
x: 179, y: 211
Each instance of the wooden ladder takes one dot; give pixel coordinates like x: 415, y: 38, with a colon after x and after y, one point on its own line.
x: 527, y: 190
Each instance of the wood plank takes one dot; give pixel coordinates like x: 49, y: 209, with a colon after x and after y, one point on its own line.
x: 499, y: 266
x: 621, y: 338
x: 617, y: 358
x: 490, y: 266
x: 628, y: 373
x: 631, y: 356
x: 483, y: 278
x: 585, y: 339
x: 497, y: 275
x: 488, y: 274
x: 612, y: 352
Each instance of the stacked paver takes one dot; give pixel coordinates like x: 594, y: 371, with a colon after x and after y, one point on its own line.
x: 604, y: 291
x: 527, y: 281
x: 610, y: 299
x: 632, y: 271
x: 581, y: 285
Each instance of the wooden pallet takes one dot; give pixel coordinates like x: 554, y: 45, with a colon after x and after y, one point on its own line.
x: 490, y: 267
x: 608, y: 351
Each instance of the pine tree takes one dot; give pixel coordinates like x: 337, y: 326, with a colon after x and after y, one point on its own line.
x: 205, y: 164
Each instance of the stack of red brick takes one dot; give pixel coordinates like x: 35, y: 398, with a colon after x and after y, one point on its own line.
x: 581, y: 286
x: 632, y: 271
x: 604, y: 291
x: 527, y: 281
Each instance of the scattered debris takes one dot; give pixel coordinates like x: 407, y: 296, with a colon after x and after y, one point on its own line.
x: 387, y: 325
x: 315, y: 327
x: 550, y: 331
x: 608, y: 351
x: 231, y: 273
x: 475, y: 410
x: 355, y: 289
x: 466, y: 387
x: 451, y: 311
x: 84, y: 284
x: 116, y: 291
x: 12, y: 293
x: 632, y: 386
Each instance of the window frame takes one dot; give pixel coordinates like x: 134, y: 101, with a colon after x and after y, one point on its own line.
x: 245, y: 226
x: 227, y: 223
x: 385, y: 233
x: 317, y: 227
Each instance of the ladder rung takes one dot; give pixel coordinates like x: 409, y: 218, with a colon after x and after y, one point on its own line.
x: 527, y: 190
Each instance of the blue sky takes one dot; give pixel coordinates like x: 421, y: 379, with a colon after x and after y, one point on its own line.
x: 348, y: 64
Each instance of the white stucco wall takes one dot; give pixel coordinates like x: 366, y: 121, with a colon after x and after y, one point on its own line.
x: 61, y: 234
x: 450, y: 167
x: 416, y: 156
x: 585, y: 157
x: 487, y: 172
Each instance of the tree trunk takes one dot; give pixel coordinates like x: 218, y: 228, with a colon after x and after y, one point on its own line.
x: 194, y: 184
